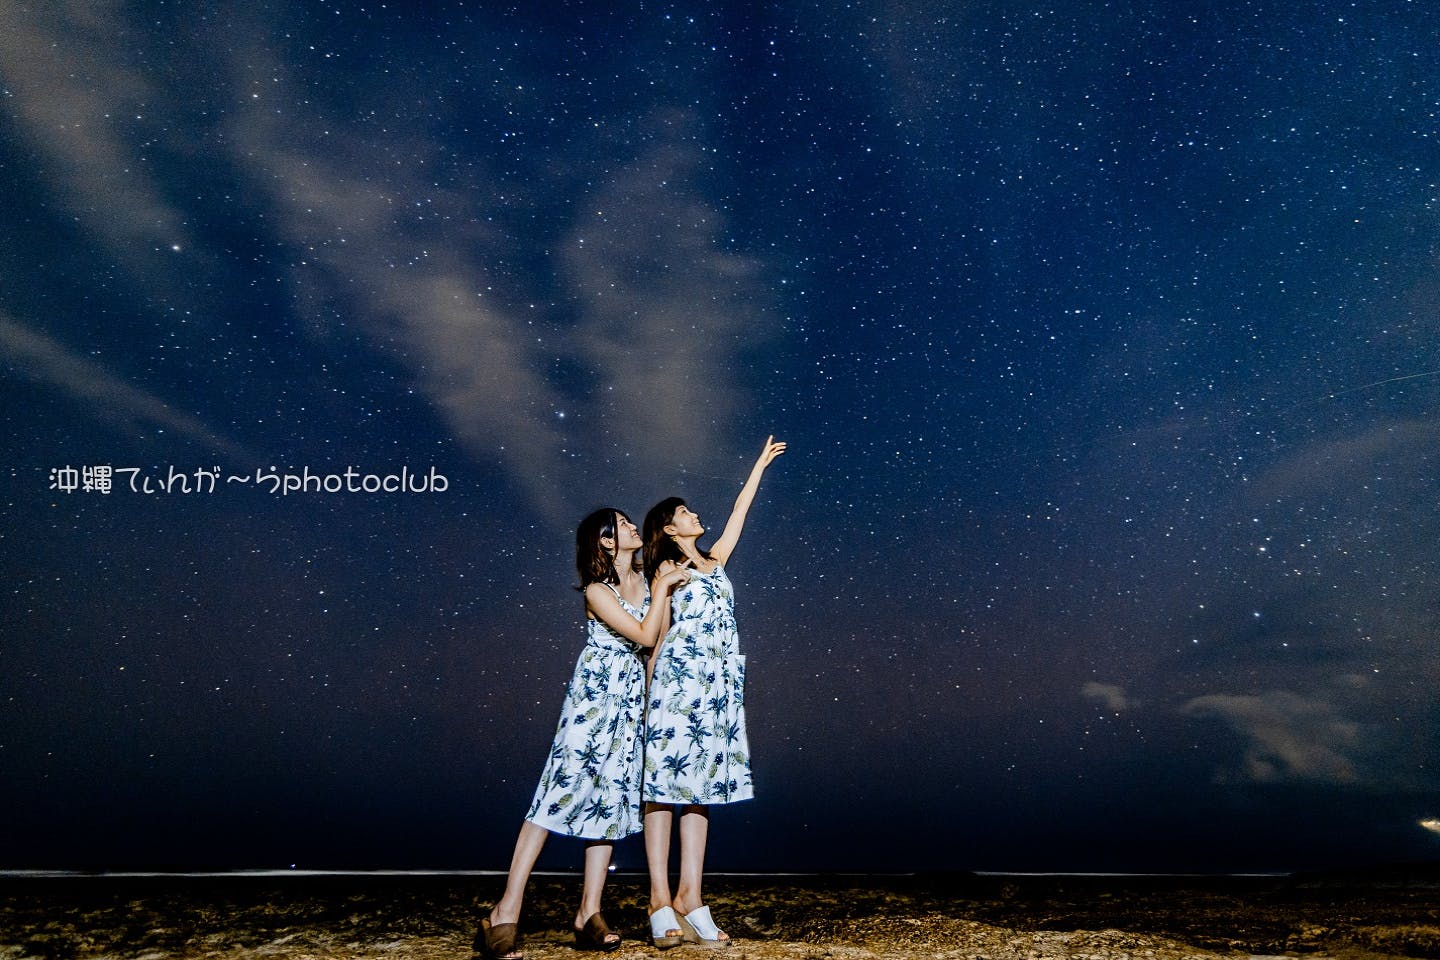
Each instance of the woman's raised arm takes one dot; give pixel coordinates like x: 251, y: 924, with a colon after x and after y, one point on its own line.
x: 731, y: 535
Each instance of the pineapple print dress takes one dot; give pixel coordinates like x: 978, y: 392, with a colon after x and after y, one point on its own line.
x: 696, y: 749
x: 590, y: 786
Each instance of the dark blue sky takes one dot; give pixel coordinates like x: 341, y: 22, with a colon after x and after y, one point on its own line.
x: 1103, y: 336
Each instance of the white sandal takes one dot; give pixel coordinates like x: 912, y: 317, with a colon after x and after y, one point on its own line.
x: 661, y: 921
x: 700, y: 929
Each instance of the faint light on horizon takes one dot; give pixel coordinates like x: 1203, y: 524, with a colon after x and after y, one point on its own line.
x: 1431, y: 823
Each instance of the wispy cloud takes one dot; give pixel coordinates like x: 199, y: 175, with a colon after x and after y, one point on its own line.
x: 1344, y: 463
x: 625, y: 305
x: 667, y: 312
x: 657, y: 313
x: 81, y: 103
x: 1287, y: 736
x: 84, y: 107
x: 105, y: 395
x: 411, y: 281
x: 1111, y: 695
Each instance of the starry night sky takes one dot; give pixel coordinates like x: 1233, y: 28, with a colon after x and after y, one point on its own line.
x: 1103, y: 336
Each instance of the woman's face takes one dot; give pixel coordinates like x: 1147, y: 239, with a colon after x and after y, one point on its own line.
x: 627, y: 535
x: 685, y: 523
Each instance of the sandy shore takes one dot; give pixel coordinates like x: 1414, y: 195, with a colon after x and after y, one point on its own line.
x: 1377, y: 915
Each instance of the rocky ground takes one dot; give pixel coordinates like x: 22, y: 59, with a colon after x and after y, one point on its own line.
x: 1375, y: 915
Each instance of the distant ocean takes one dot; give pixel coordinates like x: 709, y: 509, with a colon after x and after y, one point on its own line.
x: 271, y: 872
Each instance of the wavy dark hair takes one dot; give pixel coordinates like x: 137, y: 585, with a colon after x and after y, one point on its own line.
x: 593, y: 562
x: 659, y: 546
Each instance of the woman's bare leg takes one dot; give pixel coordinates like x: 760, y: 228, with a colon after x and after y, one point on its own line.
x: 658, y: 821
x: 527, y: 849
x: 597, y: 868
x: 694, y: 831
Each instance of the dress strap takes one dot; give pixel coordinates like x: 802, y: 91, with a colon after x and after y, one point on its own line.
x: 626, y: 603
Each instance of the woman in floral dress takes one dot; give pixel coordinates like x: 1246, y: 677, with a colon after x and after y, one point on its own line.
x: 590, y: 785
x: 696, y: 752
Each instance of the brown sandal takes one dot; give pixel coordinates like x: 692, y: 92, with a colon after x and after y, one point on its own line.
x: 592, y: 936
x: 498, y: 941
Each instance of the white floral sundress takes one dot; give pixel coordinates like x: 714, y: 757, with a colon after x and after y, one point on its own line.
x: 696, y: 749
x: 590, y: 786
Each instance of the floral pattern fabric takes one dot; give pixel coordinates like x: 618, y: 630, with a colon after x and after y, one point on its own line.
x: 590, y: 786
x: 696, y: 748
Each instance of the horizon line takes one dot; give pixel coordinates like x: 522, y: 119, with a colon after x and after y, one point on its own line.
x: 274, y: 872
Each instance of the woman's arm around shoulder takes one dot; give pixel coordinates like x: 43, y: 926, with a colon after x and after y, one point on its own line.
x: 603, y: 602
x: 666, y: 567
